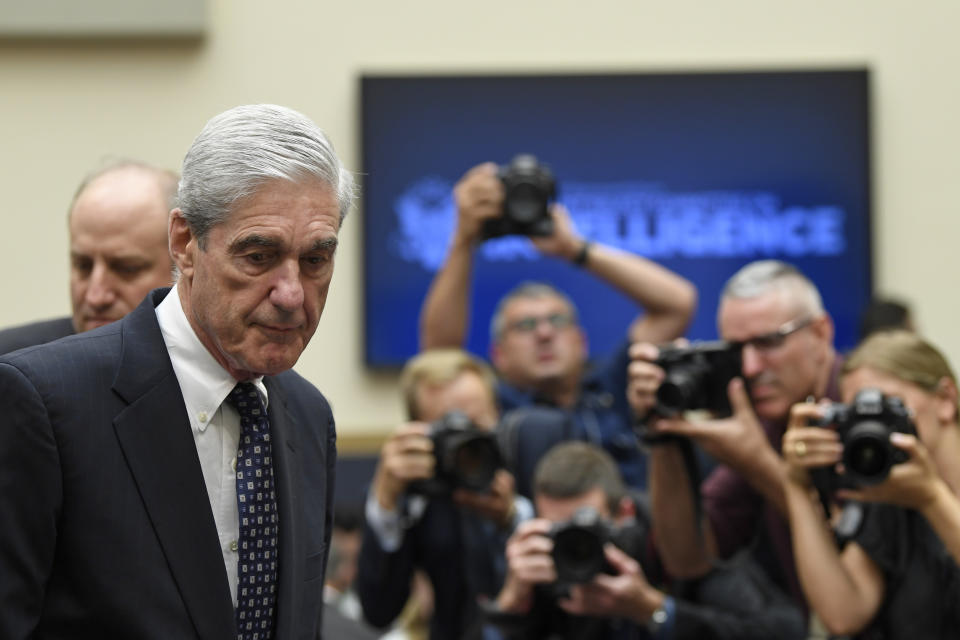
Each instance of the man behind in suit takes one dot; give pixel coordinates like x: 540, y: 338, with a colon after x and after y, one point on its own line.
x: 167, y: 476
x: 118, y: 249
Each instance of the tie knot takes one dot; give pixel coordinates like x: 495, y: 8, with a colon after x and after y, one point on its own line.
x: 253, y: 414
x: 247, y: 401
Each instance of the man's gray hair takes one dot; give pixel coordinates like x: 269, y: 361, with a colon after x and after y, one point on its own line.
x: 241, y: 149
x: 766, y: 276
x: 527, y: 289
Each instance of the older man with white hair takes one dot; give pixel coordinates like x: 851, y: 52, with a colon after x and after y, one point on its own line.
x: 168, y: 476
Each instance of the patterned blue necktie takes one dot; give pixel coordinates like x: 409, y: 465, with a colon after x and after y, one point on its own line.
x: 257, y: 503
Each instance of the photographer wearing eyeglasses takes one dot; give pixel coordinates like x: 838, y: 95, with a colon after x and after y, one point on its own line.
x: 537, y: 347
x: 774, y: 316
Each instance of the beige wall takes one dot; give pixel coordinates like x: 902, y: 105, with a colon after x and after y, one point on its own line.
x: 64, y: 105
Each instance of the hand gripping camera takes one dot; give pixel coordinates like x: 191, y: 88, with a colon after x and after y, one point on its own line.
x: 578, y: 545
x: 864, y: 427
x: 696, y: 377
x: 467, y: 457
x: 529, y: 189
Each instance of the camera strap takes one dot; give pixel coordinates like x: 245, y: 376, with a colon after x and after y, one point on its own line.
x: 690, y: 464
x: 847, y: 526
x: 692, y: 468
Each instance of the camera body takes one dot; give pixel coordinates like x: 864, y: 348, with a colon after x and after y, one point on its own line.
x: 696, y: 377
x: 467, y: 457
x: 529, y: 188
x: 578, y: 545
x: 864, y: 427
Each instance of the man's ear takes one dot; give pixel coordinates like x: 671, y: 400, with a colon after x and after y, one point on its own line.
x: 183, y: 244
x: 627, y: 509
x: 823, y: 326
x: 584, y: 343
x: 496, y: 354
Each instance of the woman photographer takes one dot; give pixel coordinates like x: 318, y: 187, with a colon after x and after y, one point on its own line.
x: 898, y: 577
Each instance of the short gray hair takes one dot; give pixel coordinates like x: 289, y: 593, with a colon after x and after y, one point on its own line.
x: 766, y: 276
x: 527, y: 289
x: 241, y: 149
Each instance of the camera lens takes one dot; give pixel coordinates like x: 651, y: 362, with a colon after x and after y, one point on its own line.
x: 866, y: 451
x: 679, y: 390
x: 475, y: 462
x: 526, y: 203
x: 577, y: 554
x: 673, y: 397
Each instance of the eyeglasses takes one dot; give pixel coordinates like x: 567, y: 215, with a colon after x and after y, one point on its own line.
x: 529, y: 324
x: 774, y: 339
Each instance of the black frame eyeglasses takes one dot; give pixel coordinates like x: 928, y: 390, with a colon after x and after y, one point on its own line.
x: 529, y: 324
x: 775, y: 339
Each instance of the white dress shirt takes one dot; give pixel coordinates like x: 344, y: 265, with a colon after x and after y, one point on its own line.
x: 215, y: 423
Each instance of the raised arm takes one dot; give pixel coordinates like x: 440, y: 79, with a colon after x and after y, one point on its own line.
x: 445, y: 316
x: 386, y: 563
x: 845, y: 589
x: 733, y: 493
x: 943, y: 514
x: 667, y: 299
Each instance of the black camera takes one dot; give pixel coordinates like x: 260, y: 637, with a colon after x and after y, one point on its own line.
x: 696, y: 377
x: 529, y: 188
x: 467, y: 457
x: 578, y: 545
x: 864, y: 427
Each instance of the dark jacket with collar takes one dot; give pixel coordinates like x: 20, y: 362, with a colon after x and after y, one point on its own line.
x: 462, y: 555
x: 106, y: 525
x: 29, y: 335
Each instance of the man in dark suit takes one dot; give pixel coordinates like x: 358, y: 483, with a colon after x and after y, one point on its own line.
x: 456, y: 537
x: 167, y: 476
x: 118, y: 250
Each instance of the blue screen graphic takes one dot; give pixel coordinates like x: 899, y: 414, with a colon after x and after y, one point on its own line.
x: 700, y: 172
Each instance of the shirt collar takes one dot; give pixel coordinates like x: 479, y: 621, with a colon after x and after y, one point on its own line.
x: 204, y: 383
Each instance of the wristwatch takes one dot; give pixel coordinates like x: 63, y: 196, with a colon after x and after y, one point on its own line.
x: 657, y: 619
x: 660, y: 622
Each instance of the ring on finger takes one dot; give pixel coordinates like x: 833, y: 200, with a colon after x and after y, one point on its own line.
x: 800, y: 448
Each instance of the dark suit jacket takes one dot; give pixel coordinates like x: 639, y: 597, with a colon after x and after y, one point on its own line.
x: 105, y: 524
x: 460, y: 553
x: 734, y: 602
x: 35, y: 333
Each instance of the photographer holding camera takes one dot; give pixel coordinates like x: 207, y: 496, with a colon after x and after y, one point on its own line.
x: 774, y: 316
x: 438, y: 500
x: 895, y: 578
x: 580, y: 570
x: 538, y: 349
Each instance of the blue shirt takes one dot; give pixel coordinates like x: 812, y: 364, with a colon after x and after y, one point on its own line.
x: 601, y: 414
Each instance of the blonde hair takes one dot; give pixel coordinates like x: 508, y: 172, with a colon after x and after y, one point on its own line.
x: 440, y: 366
x: 904, y: 355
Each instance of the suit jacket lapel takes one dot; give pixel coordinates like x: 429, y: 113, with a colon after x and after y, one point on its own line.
x: 154, y: 433
x: 286, y: 470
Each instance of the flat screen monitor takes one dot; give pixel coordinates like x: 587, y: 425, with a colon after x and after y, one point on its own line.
x: 701, y: 172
